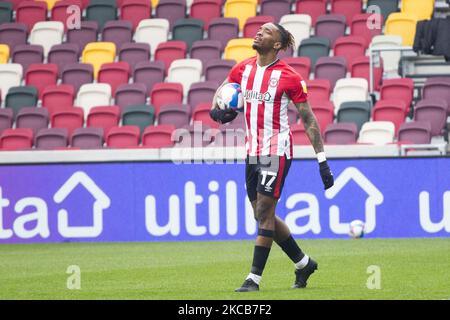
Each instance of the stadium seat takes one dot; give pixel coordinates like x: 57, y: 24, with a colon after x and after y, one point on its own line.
x: 165, y: 93
x: 60, y: 11
x: 330, y: 26
x: 186, y: 72
x: 93, y: 94
x: 349, y: 47
x: 330, y: 68
x: 367, y: 25
x: 357, y: 112
x: 292, y: 113
x: 171, y: 10
x: 206, y: 50
x: 135, y: 11
x: 196, y: 136
x: 86, y: 34
x: 30, y: 12
x: 318, y: 89
x: 360, y: 68
x: 10, y: 76
x: 77, y: 74
x: 391, y: 59
x: 149, y: 73
x: 13, y: 34
x: 201, y: 92
x: 437, y: 87
x: 16, y: 139
x: 97, y: 53
x: 114, y: 74
x: 159, y: 136
x: 402, y: 24
x: 50, y: 3
x: 385, y: 6
x: 130, y: 95
x: 349, y: 8
x: 340, y: 133
x: 201, y: 113
x: 6, y: 119
x: 141, y: 116
x: 416, y: 132
x: 152, y: 32
x: 41, y: 75
x: 188, y: 30
x: 174, y: 114
x: 239, y: 49
x: 433, y: 110
x: 20, y: 97
x: 223, y: 30
x: 27, y: 54
x: 314, y: 48
x: 47, y: 34
x: 324, y: 112
x: 118, y: 32
x: 123, y: 137
x: 87, y: 138
x: 32, y: 118
x: 351, y: 89
x: 300, y: 64
x: 217, y: 70
x: 169, y: 51
x: 299, y: 136
x: 240, y: 9
x: 104, y: 117
x: 402, y: 88
x: 69, y: 118
x: 57, y: 97
x: 313, y: 8
x: 4, y: 53
x: 377, y: 132
x: 101, y: 11
x: 6, y: 12
x: 275, y: 8
x: 253, y: 24
x: 63, y: 54
x: 299, y: 25
x: 133, y: 53
x: 51, y: 139
x: 422, y: 8
x: 205, y: 10
x: 393, y: 110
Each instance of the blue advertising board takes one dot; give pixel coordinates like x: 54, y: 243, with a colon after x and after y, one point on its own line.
x: 163, y: 201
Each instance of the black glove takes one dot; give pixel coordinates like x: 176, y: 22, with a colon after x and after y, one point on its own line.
x: 222, y: 116
x: 326, y: 175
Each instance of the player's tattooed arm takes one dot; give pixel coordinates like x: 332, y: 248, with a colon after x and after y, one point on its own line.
x: 312, y: 128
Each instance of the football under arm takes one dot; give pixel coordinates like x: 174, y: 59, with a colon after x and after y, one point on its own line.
x: 214, y: 102
x: 312, y: 128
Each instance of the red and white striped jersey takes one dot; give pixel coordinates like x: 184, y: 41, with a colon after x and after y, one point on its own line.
x: 267, y: 91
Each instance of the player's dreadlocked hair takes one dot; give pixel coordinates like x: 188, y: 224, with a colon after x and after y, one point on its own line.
x: 287, y: 39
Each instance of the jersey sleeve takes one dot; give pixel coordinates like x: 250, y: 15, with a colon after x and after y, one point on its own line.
x: 235, y: 75
x: 297, y: 90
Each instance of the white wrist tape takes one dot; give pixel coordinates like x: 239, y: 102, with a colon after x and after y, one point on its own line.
x: 321, y: 157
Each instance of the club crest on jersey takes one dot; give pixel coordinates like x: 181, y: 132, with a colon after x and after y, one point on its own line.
x: 273, y: 82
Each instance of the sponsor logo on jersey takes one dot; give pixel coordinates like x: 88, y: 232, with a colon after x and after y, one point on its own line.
x: 252, y: 95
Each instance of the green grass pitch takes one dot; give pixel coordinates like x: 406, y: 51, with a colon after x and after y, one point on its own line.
x: 409, y: 269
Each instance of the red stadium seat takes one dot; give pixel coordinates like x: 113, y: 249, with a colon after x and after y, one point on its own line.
x: 313, y: 8
x: 201, y: 113
x: 349, y: 8
x: 158, y: 136
x: 324, y: 112
x: 104, y: 117
x: 170, y: 51
x: 318, y: 89
x: 206, y: 10
x: 114, y: 74
x: 16, y: 139
x: 59, y: 10
x: 363, y: 25
x: 402, y: 89
x: 301, y: 64
x: 57, y: 97
x: 123, y: 137
x: 70, y: 118
x: 360, y: 68
x: 165, y: 93
x: 299, y: 136
x: 41, y: 76
x: 350, y: 47
x: 135, y: 11
x: 393, y: 110
x: 30, y: 12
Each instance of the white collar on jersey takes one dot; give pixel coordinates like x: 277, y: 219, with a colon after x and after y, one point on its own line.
x: 270, y: 64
